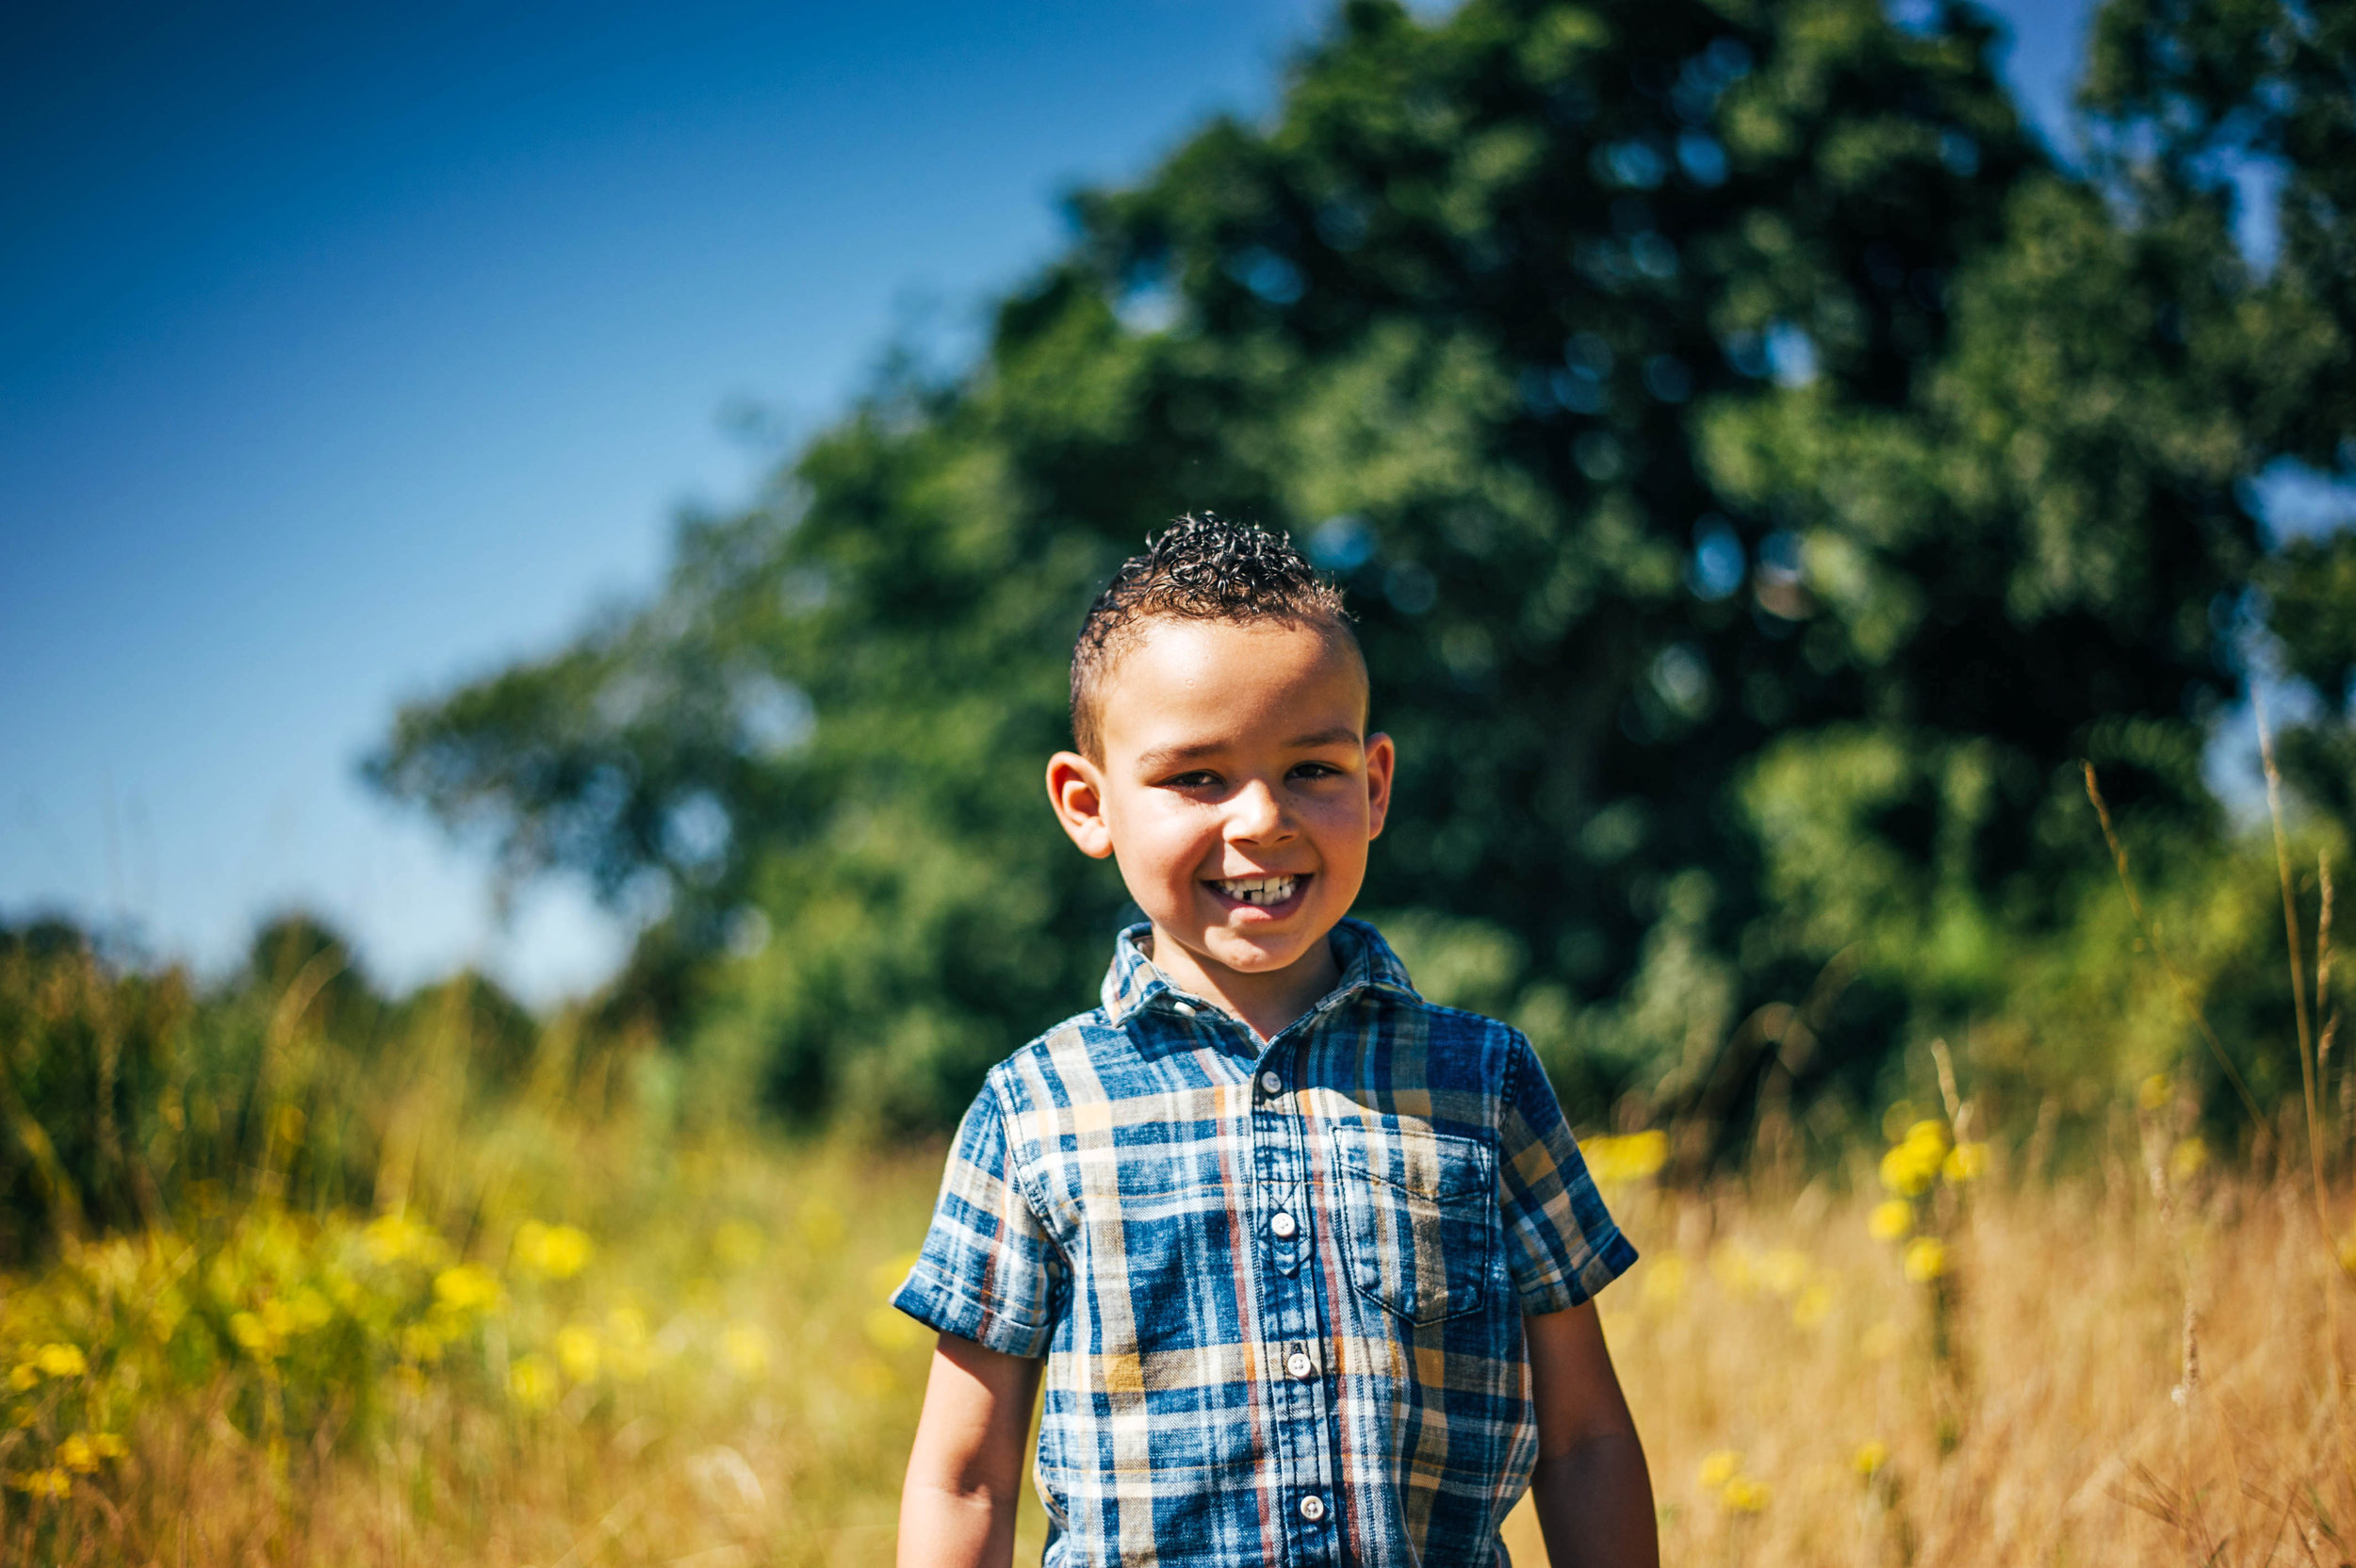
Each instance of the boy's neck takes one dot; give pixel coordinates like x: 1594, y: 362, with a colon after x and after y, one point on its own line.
x: 1268, y: 1003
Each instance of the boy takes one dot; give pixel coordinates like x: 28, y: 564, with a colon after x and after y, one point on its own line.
x: 1308, y: 1260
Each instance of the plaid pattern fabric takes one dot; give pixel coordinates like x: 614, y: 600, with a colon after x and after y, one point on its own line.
x: 1280, y: 1289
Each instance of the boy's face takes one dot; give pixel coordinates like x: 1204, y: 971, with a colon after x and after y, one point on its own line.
x: 1238, y: 790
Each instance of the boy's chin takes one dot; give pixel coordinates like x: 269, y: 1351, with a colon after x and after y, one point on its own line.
x: 1260, y: 953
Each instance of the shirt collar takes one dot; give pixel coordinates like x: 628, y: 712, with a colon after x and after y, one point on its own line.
x: 1132, y: 984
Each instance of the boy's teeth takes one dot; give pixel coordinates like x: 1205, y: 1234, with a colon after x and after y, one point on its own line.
x: 1259, y: 890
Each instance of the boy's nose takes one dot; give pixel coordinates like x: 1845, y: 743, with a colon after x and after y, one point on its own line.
x: 1255, y: 813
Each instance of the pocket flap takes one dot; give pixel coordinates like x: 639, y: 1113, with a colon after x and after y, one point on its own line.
x: 1412, y: 1156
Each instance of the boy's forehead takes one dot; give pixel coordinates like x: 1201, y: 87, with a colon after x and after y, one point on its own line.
x: 1188, y: 681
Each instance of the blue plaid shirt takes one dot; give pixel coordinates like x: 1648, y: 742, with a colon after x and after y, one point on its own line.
x: 1279, y: 1288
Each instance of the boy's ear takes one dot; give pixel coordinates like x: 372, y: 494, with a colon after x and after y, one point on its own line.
x: 1075, y: 787
x: 1382, y: 760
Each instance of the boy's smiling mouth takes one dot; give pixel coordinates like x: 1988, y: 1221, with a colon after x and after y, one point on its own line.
x: 1260, y: 892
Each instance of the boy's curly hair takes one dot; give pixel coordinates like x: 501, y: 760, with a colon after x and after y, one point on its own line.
x: 1201, y: 568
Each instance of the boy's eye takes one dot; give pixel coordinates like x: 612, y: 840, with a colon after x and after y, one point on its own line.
x: 1316, y: 770
x: 1198, y: 779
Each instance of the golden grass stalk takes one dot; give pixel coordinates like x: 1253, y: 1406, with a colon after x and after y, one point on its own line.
x: 2307, y: 1055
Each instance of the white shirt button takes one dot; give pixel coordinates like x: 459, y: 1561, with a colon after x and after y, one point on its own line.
x: 1184, y: 1009
x: 1298, y: 1364
x: 1272, y: 1084
x: 1312, y: 1509
x: 1284, y: 1225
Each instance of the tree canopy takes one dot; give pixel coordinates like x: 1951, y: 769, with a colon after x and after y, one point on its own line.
x: 1759, y: 471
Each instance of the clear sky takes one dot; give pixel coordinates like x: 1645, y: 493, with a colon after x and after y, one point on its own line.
x: 349, y: 351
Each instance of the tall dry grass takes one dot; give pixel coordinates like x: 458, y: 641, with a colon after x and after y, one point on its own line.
x: 2075, y: 1419
x: 1781, y: 1362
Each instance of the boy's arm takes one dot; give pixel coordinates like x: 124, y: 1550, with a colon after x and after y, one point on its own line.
x: 1592, y: 1492
x: 957, y: 1506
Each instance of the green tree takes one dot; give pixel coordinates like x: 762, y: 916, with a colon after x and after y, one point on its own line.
x: 1758, y: 472
x: 2208, y: 107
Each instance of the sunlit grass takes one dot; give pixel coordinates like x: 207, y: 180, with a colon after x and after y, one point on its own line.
x: 706, y: 1372
x: 719, y: 1377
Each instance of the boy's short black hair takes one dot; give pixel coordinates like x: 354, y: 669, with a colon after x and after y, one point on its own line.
x: 1201, y: 568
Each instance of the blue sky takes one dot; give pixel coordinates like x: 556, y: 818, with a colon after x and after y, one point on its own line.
x: 349, y: 351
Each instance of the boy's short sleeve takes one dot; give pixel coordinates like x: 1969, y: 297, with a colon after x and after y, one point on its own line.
x: 988, y: 1271
x: 1561, y: 1242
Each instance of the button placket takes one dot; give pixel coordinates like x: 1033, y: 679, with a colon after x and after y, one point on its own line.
x: 1292, y: 1326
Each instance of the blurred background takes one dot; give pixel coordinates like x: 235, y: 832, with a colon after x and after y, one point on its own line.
x: 543, y: 548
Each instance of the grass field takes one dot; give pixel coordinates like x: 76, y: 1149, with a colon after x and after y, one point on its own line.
x: 2133, y: 1366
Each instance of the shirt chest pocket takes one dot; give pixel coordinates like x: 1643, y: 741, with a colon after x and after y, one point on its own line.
x: 1418, y: 1217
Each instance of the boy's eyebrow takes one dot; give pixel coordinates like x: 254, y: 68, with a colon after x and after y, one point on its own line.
x: 1169, y: 756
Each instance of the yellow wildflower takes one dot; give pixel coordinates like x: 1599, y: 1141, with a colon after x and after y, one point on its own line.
x: 1869, y: 1457
x: 109, y: 1444
x: 419, y: 1342
x: 78, y: 1454
x: 566, y: 1252
x: 60, y: 1360
x: 1633, y: 1158
x: 1910, y: 1167
x: 577, y: 1352
x: 308, y: 1311
x: 26, y: 1373
x: 1813, y: 1307
x: 1746, y: 1495
x: 1719, y: 1468
x: 1914, y: 1162
x: 2186, y: 1160
x: 395, y: 1237
x: 1928, y: 1133
x: 1966, y: 1162
x: 53, y: 1482
x: 1925, y: 1259
x: 2155, y: 1092
x: 467, y: 1287
x: 1892, y: 1218
x: 531, y: 1382
x: 552, y: 1252
x: 253, y: 1334
x: 746, y: 1349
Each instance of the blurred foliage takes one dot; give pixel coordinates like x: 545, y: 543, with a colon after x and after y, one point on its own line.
x: 1761, y: 474
x: 131, y: 1098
